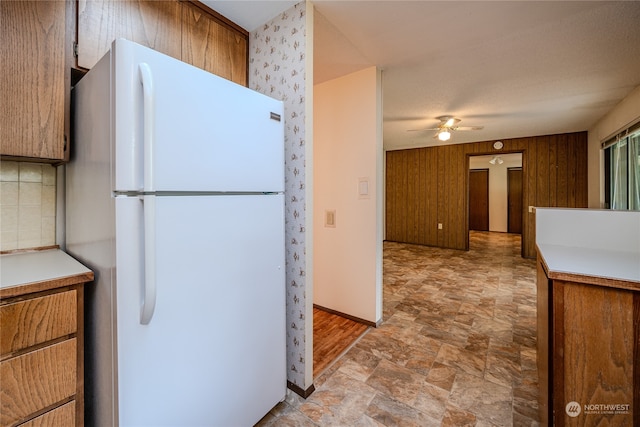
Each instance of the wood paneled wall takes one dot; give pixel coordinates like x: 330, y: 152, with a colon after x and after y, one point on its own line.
x: 427, y: 186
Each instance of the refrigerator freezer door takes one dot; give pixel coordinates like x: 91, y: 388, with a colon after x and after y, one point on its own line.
x: 207, y: 133
x: 213, y: 353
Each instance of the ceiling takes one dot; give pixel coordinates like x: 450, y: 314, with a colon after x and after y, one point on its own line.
x: 518, y: 68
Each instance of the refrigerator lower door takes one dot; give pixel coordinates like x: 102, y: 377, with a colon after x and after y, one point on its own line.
x: 213, y: 351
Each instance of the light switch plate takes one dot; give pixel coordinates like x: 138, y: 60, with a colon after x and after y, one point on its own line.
x: 363, y: 188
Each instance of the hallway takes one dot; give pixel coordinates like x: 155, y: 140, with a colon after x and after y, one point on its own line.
x: 457, y: 345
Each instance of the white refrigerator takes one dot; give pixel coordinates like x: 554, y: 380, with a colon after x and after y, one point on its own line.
x: 174, y: 198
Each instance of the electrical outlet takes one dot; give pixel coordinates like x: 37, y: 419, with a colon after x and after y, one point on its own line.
x: 439, y: 226
x: 330, y: 218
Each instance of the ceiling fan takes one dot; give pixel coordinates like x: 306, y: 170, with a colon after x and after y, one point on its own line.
x: 446, y: 126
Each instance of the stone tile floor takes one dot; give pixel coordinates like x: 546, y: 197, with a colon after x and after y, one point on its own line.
x: 457, y: 346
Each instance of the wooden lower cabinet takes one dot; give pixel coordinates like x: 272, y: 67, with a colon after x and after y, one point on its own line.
x: 41, y: 365
x: 588, y: 352
x: 64, y: 415
x: 543, y: 313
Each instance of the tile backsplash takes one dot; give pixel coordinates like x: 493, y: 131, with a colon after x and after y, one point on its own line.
x: 27, y: 205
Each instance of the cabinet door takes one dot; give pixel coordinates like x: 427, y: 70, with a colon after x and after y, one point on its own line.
x: 212, y: 46
x: 34, y: 321
x: 155, y: 24
x: 61, y: 416
x: 37, y: 380
x: 32, y: 82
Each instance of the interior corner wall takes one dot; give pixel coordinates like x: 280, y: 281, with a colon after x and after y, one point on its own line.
x: 347, y: 153
x: 618, y: 119
x: 308, y: 223
x: 278, y: 64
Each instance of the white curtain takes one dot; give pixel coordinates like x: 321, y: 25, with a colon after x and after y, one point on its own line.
x: 634, y: 171
x: 619, y: 175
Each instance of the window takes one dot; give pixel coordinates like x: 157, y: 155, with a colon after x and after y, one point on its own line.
x: 622, y: 172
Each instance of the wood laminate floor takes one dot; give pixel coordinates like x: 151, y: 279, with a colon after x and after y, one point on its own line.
x: 332, y: 335
x: 457, y: 346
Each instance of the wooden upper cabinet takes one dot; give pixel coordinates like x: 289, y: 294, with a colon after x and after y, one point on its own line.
x: 36, y: 58
x: 183, y: 30
x: 212, y: 46
x: 32, y: 82
x: 156, y: 24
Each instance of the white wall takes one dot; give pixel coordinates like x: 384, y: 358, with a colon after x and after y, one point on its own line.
x: 618, y: 119
x: 497, y: 186
x: 347, y: 150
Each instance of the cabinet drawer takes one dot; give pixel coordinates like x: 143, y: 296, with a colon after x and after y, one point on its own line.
x: 37, y: 320
x: 36, y: 380
x: 64, y: 416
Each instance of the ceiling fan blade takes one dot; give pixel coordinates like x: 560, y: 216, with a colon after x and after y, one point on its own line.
x: 468, y: 128
x: 448, y: 121
x: 420, y: 130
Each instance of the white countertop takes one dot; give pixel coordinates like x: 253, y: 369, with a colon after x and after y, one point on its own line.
x: 591, y: 262
x: 22, y: 268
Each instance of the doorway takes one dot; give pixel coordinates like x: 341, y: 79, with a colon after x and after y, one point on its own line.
x: 333, y: 335
x: 503, y: 194
x: 479, y: 199
x: 514, y: 200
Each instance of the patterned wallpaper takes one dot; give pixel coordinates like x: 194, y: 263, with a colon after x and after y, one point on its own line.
x: 277, y: 64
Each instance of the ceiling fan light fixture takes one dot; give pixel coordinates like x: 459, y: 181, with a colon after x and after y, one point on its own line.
x: 444, y: 135
x: 450, y: 122
x: 496, y: 160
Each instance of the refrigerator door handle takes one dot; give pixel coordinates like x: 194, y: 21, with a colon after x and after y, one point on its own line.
x: 146, y: 78
x: 149, y: 201
x: 149, y: 292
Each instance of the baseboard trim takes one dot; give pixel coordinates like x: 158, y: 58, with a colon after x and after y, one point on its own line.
x: 300, y: 391
x: 347, y: 316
